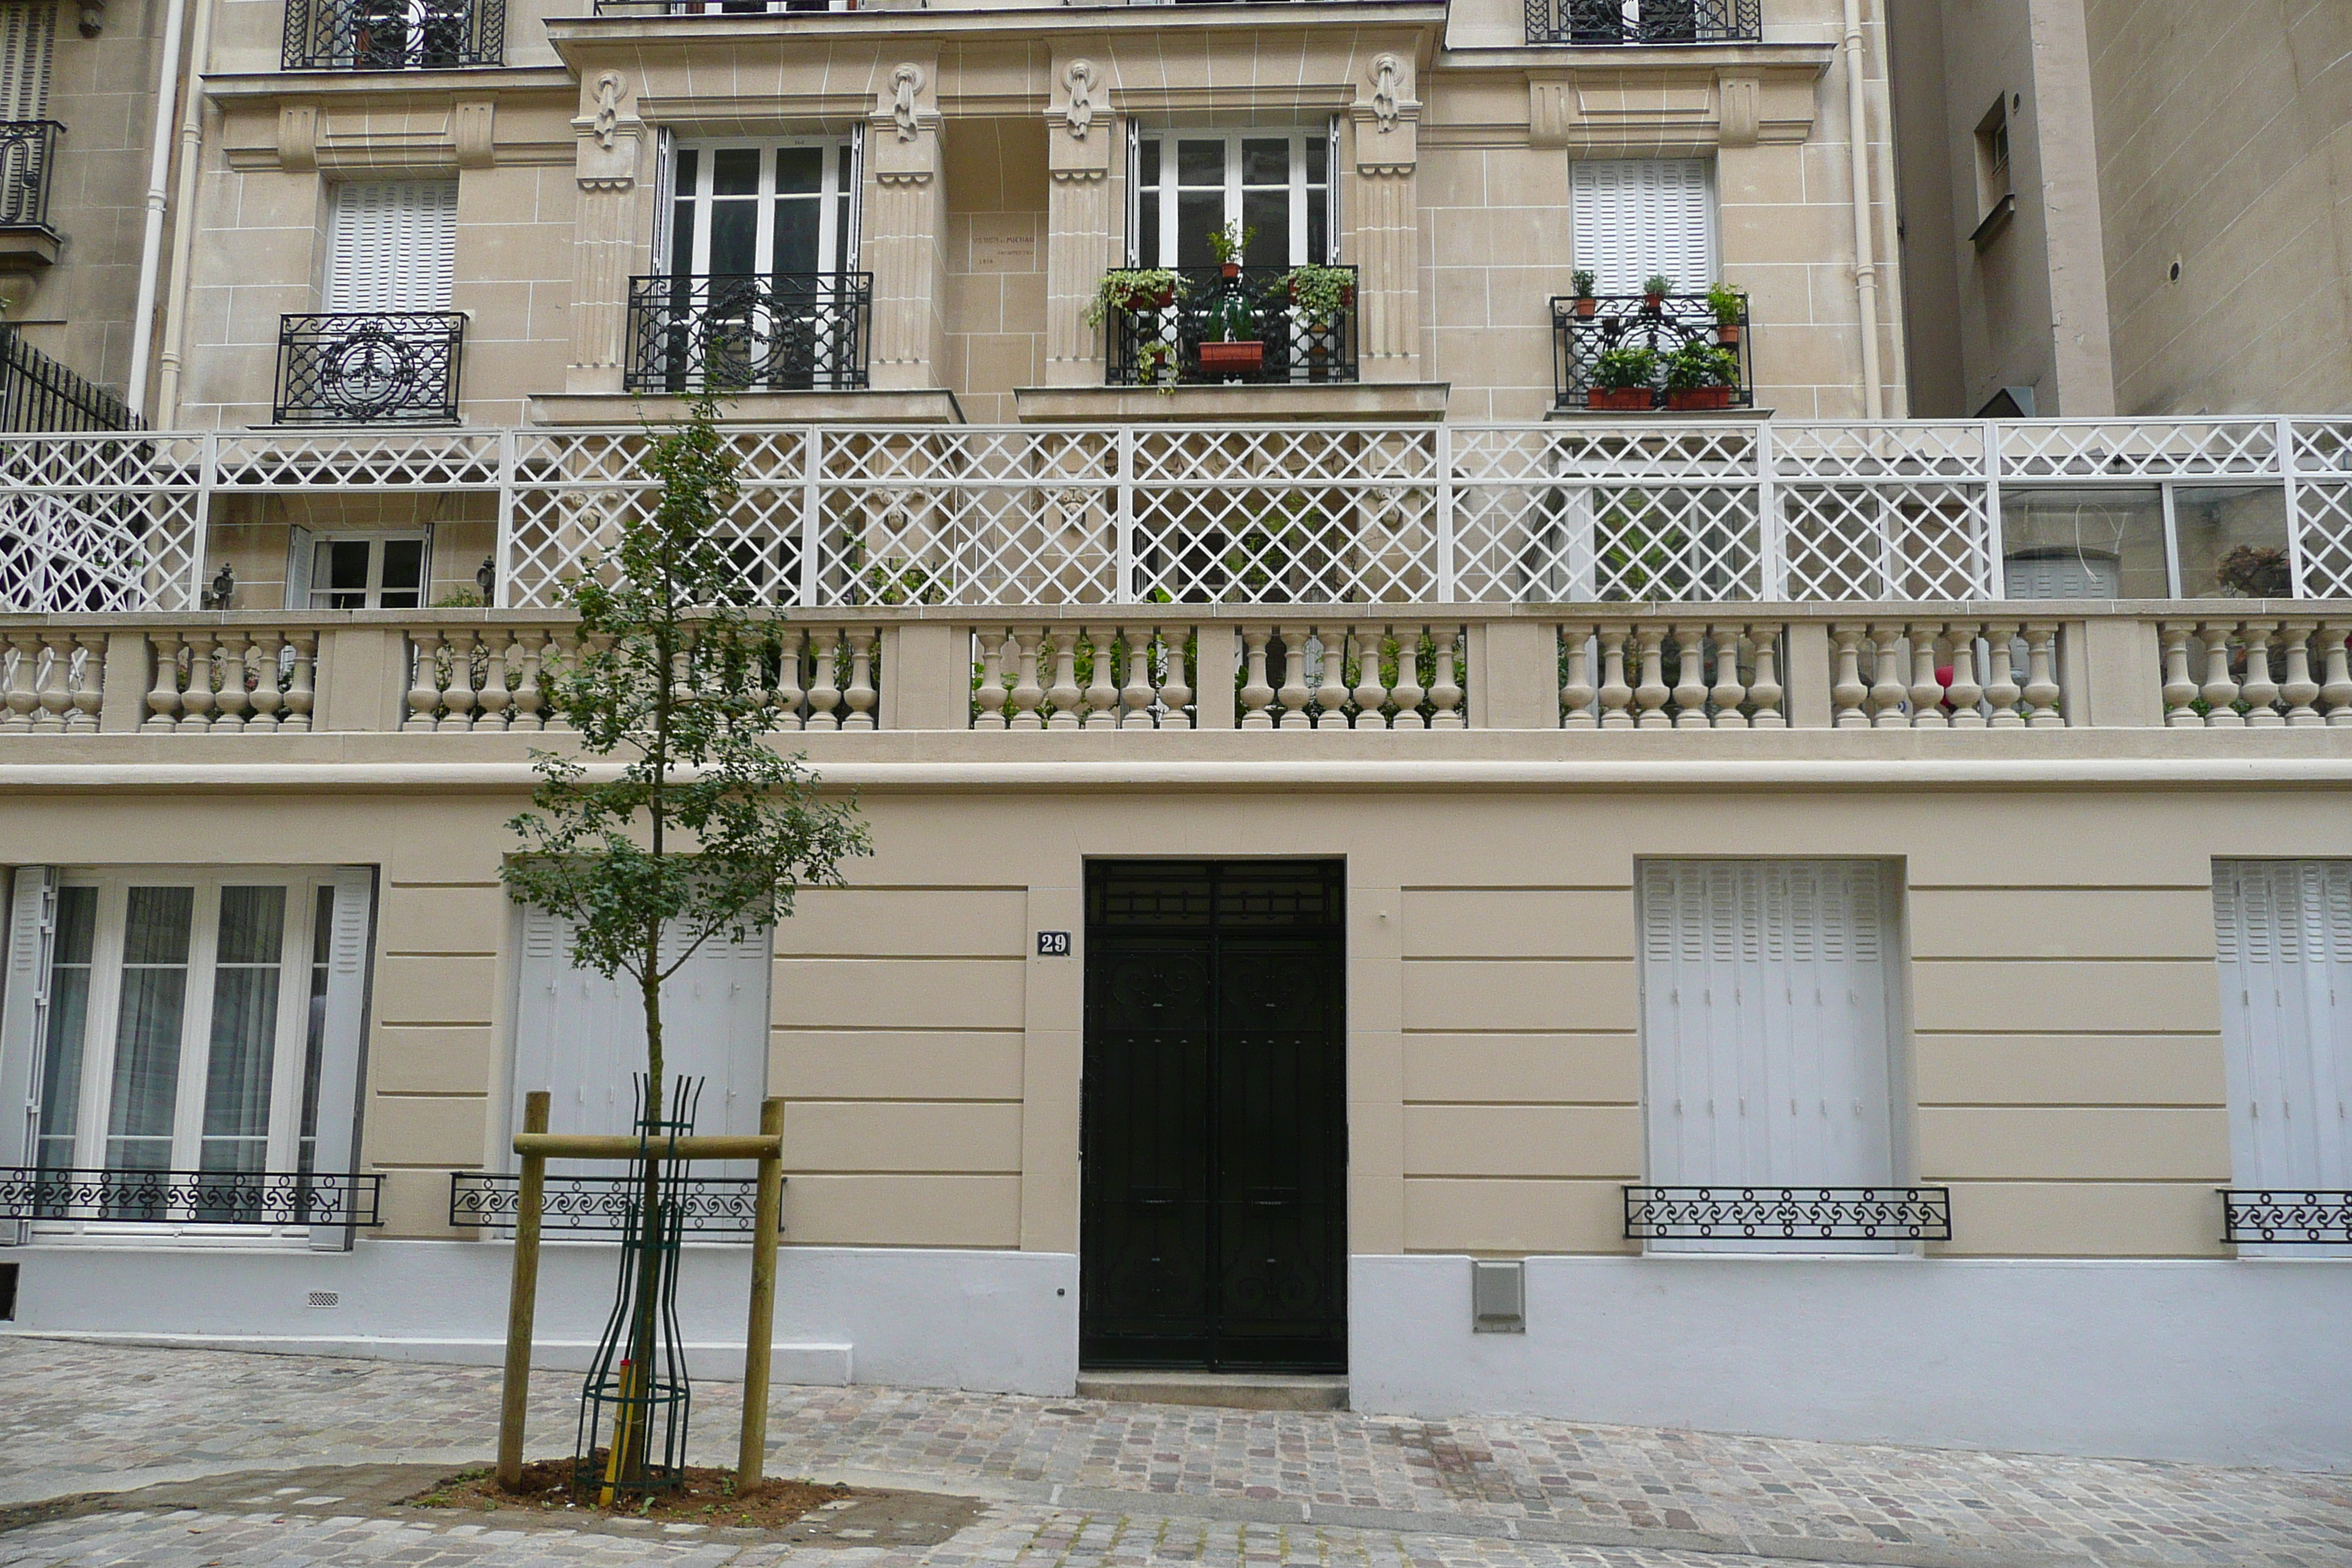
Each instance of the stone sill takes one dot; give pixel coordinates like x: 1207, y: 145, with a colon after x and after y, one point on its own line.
x: 1653, y: 416
x: 472, y: 81
x: 867, y: 408
x: 1004, y: 21
x: 1406, y: 401
x: 1635, y: 57
x: 28, y: 248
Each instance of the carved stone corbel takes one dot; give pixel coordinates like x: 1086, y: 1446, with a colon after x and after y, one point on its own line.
x: 298, y: 137
x: 1740, y: 113
x: 473, y: 133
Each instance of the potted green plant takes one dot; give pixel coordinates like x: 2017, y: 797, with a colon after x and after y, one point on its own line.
x: 1622, y: 380
x: 1654, y: 289
x: 1155, y: 364
x: 1228, y: 245
x: 1700, y: 376
x: 1318, y: 293
x: 2256, y: 571
x: 1730, y: 306
x: 1134, y: 292
x: 1229, y: 341
x: 1585, y: 303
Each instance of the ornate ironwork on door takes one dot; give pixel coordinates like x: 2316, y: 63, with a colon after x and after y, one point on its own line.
x: 744, y: 332
x: 1214, y: 1224
x: 369, y: 368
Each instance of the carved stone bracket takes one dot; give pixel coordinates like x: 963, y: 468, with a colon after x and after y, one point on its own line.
x: 473, y: 127
x: 298, y: 137
x: 1387, y: 118
x: 608, y: 138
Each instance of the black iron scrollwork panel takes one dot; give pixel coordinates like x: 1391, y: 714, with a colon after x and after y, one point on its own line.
x: 191, y: 1197
x: 1580, y: 338
x: 2298, y: 1217
x: 1598, y: 23
x: 1286, y: 344
x: 384, y: 367
x: 395, y: 34
x: 27, y: 150
x: 714, y: 1205
x: 1789, y: 1213
x: 788, y: 331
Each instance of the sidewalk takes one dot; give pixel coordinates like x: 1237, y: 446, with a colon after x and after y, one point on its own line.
x: 1090, y: 1485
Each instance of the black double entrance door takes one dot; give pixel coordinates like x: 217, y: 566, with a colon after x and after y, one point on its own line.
x: 1213, y: 1215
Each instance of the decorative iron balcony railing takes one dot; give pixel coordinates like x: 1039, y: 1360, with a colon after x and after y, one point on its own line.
x: 26, y: 148
x: 191, y: 1197
x: 37, y: 392
x: 788, y: 331
x: 1607, y: 22
x: 395, y: 34
x: 2302, y: 1218
x: 391, y: 367
x: 1289, y: 346
x: 728, y: 7
x: 1679, y: 324
x: 715, y: 1206
x: 1789, y: 1213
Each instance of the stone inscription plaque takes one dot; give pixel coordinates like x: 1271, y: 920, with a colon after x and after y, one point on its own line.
x: 1003, y: 242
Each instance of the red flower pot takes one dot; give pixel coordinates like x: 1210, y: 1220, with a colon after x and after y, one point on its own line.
x: 1727, y: 334
x: 1696, y: 399
x: 1586, y: 305
x: 1654, y: 303
x: 1232, y: 269
x: 1232, y: 359
x: 1140, y: 300
x: 1619, y: 399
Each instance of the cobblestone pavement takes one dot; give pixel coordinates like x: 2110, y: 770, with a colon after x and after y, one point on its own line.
x: 1089, y: 1484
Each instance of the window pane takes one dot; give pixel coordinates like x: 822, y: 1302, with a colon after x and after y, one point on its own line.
x: 61, y: 1051
x: 800, y: 170
x: 734, y: 237
x: 797, y: 223
x: 1266, y: 216
x: 1319, y: 225
x: 404, y: 574
x: 1147, y: 230
x: 147, y: 1035
x: 314, y: 1034
x: 2102, y: 543
x: 1266, y: 160
x: 244, y: 1029
x: 1198, y: 216
x: 2232, y: 542
x: 341, y: 569
x: 735, y: 172
x: 1146, y: 163
x: 1318, y: 160
x: 1201, y: 164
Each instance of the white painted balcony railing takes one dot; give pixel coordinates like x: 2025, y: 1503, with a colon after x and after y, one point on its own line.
x: 1047, y: 516
x: 2069, y: 665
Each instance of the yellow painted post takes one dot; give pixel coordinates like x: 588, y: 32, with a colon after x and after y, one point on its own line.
x: 760, y: 1334
x: 522, y: 1298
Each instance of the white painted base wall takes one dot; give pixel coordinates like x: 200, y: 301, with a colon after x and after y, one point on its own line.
x: 2223, y: 1361
x: 1002, y: 1321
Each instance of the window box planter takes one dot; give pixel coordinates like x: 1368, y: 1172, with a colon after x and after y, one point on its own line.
x: 1232, y: 359
x: 1698, y: 399
x: 1619, y: 399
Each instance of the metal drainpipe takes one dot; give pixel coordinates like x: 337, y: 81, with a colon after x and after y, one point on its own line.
x: 1865, y: 267
x: 158, y: 170
x: 184, y: 233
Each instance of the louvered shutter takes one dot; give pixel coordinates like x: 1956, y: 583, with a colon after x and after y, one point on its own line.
x: 1634, y: 216
x: 27, y: 40
x: 23, y: 1023
x: 342, y: 1059
x: 1766, y: 1039
x: 2283, y: 939
x: 393, y: 246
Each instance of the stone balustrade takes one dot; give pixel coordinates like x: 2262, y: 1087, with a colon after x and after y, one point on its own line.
x: 2036, y: 665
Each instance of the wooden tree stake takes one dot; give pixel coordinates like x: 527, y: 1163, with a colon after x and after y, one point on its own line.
x: 760, y: 1334
x: 522, y: 1298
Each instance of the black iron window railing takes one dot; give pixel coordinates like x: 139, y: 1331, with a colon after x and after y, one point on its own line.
x: 787, y: 331
x: 27, y: 150
x: 715, y: 1206
x: 389, y: 367
x: 1680, y: 356
x: 37, y: 392
x: 2304, y: 1217
x: 1789, y: 1213
x: 191, y: 1197
x: 395, y: 34
x: 1605, y: 22
x: 1246, y: 328
x: 718, y: 7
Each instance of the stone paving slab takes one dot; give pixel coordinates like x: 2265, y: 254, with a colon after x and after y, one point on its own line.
x: 81, y: 1413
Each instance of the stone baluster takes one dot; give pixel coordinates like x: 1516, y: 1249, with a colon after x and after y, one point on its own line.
x: 785, y: 697
x: 1257, y: 691
x: 1652, y: 691
x: 1065, y: 694
x: 1765, y: 692
x: 2042, y: 690
x: 2336, y: 685
x: 301, y: 682
x: 1331, y: 683
x: 1407, y: 693
x: 1578, y: 691
x: 1965, y: 692
x: 458, y: 694
x: 1847, y: 692
x: 1890, y: 682
x: 1294, y: 694
x: 2299, y: 690
x: 2220, y: 688
x: 1728, y: 693
x: 424, y: 683
x: 90, y: 688
x: 1616, y: 690
x: 1101, y: 710
x: 989, y: 697
x: 164, y: 693
x: 2260, y: 690
x: 496, y: 698
x: 1926, y: 691
x: 549, y: 654
x: 2179, y: 686
x: 1136, y: 694
x: 54, y: 680
x: 24, y: 678
x: 529, y: 709
x: 265, y: 659
x: 862, y: 694
x: 1690, y: 678
x: 197, y: 697
x: 233, y: 703
x: 825, y: 679
x: 1446, y: 693
x: 1028, y: 696
x: 1371, y: 692
x: 2002, y: 692
x: 1175, y: 690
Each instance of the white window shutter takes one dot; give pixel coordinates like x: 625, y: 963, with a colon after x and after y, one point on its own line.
x: 1634, y: 216
x: 342, y: 1059
x: 2282, y: 942
x: 27, y: 41
x: 21, y: 1022
x: 393, y: 246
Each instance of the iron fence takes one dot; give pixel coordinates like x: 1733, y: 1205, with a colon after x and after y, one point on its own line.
x: 395, y: 34
x: 27, y: 150
x: 599, y: 1205
x: 1789, y: 1213
x: 1599, y: 23
x: 198, y: 1197
x: 2298, y: 1217
x: 391, y: 367
x: 37, y: 392
x: 785, y: 331
x: 1291, y: 346
x: 1628, y: 323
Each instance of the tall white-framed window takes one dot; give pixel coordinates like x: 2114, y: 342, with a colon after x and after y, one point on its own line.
x: 358, y: 571
x: 392, y: 246
x: 1631, y: 217
x: 1770, y: 1027
x: 1188, y: 184
x: 187, y: 1019
x: 763, y: 209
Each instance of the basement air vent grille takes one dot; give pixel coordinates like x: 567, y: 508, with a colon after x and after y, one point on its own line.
x: 325, y: 1299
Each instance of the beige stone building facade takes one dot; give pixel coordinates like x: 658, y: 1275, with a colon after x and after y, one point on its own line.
x: 1542, y: 858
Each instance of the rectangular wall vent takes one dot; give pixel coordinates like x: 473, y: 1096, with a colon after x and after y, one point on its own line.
x: 324, y: 1298
x: 1499, y: 1295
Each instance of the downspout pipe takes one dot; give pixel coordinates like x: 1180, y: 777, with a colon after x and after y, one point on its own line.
x: 184, y: 233
x: 159, y: 174
x: 1865, y: 265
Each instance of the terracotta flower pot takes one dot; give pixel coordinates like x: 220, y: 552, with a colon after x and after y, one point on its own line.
x: 1727, y: 334
x: 1141, y: 300
x: 1232, y: 359
x: 1696, y: 399
x: 1654, y: 303
x: 1586, y: 304
x: 1232, y: 269
x: 1619, y: 399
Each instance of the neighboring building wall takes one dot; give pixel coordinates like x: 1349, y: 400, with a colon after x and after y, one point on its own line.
x: 2225, y: 148
x: 1931, y: 323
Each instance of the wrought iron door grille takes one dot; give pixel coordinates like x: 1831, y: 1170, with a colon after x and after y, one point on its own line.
x: 714, y: 1205
x: 1599, y: 23
x: 26, y: 148
x: 1625, y: 321
x: 2305, y: 1218
x: 395, y: 34
x: 1297, y: 351
x: 389, y: 367
x: 1789, y: 1213
x: 191, y: 1197
x: 787, y: 331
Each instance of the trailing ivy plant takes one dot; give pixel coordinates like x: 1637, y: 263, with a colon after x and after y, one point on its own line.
x: 1318, y: 293
x: 1123, y: 289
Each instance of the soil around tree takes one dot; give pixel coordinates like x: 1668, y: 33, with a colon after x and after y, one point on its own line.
x: 706, y: 1497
